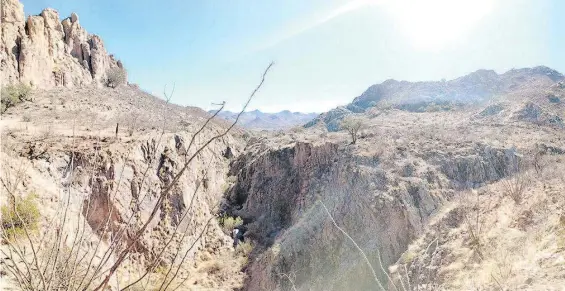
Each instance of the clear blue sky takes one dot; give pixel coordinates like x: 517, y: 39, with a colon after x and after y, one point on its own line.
x: 326, y: 51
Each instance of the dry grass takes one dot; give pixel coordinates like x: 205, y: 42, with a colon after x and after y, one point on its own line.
x: 500, y: 244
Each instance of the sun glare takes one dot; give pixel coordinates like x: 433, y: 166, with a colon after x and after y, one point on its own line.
x: 437, y: 24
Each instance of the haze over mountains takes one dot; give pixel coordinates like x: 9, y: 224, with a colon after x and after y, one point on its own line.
x: 268, y: 121
x: 479, y: 86
x: 476, y: 87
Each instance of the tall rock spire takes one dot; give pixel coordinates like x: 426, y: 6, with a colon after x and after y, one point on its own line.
x: 45, y: 52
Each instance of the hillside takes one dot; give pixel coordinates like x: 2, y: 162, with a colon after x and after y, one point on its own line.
x: 442, y: 197
x: 64, y: 145
x: 268, y: 121
x: 433, y: 185
x: 477, y: 87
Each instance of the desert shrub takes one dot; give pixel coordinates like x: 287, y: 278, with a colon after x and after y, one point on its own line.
x: 132, y: 123
x: 408, y: 170
x: 553, y: 99
x: 353, y: 125
x: 116, y: 76
x: 19, y: 215
x: 26, y: 117
x: 244, y: 248
x: 14, y: 94
x: 516, y: 185
x: 228, y: 223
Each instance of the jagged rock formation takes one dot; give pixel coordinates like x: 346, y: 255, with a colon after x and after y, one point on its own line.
x: 45, y: 52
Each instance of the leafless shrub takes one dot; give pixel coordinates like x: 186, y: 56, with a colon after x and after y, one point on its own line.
x: 132, y: 123
x: 474, y: 222
x: 291, y: 278
x: 503, y: 270
x: 115, y: 77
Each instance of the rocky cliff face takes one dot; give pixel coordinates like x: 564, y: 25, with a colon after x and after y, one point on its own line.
x: 382, y: 199
x: 45, y: 52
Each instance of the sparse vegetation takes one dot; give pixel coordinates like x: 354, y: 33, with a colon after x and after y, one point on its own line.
x: 516, y: 185
x: 353, y: 125
x: 26, y: 117
x: 14, y: 94
x: 474, y: 222
x: 90, y: 263
x: 115, y: 77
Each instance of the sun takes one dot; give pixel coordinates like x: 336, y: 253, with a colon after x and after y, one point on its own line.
x: 437, y: 24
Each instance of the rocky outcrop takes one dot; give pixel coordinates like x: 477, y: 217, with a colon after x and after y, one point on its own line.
x: 481, y: 165
x: 534, y: 113
x: 45, y: 52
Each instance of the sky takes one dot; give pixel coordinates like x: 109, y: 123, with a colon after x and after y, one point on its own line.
x: 326, y: 52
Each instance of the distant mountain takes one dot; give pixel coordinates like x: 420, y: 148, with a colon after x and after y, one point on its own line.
x: 268, y: 121
x: 478, y: 86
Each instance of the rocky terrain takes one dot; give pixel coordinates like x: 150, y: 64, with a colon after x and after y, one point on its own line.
x: 439, y: 196
x: 450, y: 185
x: 45, y: 52
x: 63, y: 145
x: 477, y: 87
x: 268, y: 121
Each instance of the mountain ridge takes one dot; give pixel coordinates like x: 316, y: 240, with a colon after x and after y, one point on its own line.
x: 478, y: 86
x: 257, y: 119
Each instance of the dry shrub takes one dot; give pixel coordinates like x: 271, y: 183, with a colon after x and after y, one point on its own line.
x: 26, y: 117
x: 228, y: 223
x: 19, y: 215
x: 353, y: 125
x: 14, y: 94
x: 244, y: 248
x: 474, y: 222
x: 515, y: 186
x: 115, y: 77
